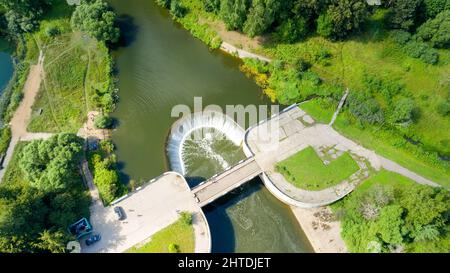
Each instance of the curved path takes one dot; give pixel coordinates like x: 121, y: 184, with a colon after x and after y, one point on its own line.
x: 293, y: 130
x: 21, y: 117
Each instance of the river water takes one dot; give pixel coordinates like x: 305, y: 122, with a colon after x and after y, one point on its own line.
x: 6, y: 65
x: 161, y: 66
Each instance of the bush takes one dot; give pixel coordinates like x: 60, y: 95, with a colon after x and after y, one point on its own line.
x: 5, y: 138
x: 186, y: 218
x: 365, y: 108
x: 421, y: 50
x: 103, y: 122
x: 443, y: 108
x: 302, y: 65
x: 173, y: 248
x: 324, y: 25
x: 401, y: 37
x: 52, y: 31
x: 403, y: 112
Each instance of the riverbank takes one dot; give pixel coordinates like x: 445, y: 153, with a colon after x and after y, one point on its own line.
x: 321, y: 228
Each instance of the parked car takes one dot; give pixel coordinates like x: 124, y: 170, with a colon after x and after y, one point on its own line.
x: 120, y: 214
x: 93, y: 239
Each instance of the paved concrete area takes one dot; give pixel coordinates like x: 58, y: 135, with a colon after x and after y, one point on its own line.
x: 292, y: 131
x: 148, y: 210
x: 226, y: 181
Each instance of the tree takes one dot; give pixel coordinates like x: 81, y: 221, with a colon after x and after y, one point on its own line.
x: 261, y: 16
x: 52, y: 241
x: 434, y: 7
x: 436, y: 31
x: 345, y: 16
x: 233, y: 13
x: 107, y: 182
x: 97, y: 20
x: 403, y: 13
x: 103, y: 122
x: 389, y: 224
x: 51, y: 165
x: 324, y: 25
x: 177, y: 9
x: 22, y: 15
x: 291, y: 30
x: 211, y: 5
x: 403, y: 111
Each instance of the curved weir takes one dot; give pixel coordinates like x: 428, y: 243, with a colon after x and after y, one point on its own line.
x: 195, y: 127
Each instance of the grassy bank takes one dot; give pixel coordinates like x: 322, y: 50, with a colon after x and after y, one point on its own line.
x: 177, y: 237
x: 77, y: 79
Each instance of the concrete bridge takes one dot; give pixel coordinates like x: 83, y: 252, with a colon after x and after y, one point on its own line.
x: 226, y: 181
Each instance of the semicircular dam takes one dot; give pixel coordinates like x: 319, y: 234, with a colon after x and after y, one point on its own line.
x: 190, y: 127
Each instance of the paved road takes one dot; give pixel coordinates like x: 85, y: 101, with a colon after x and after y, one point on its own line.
x: 148, y: 210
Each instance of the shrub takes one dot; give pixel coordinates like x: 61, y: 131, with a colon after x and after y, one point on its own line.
x: 400, y: 37
x: 403, y: 112
x: 186, y: 218
x: 365, y: 108
x: 52, y: 31
x: 211, y: 5
x: 302, y: 65
x: 103, y: 122
x: 421, y: 50
x: 324, y: 25
x: 173, y: 248
x: 443, y: 108
x: 5, y: 138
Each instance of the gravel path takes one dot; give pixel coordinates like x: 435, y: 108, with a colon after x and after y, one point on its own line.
x: 19, y: 122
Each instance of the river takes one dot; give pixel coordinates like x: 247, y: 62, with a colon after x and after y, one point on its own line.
x: 6, y: 65
x: 161, y: 66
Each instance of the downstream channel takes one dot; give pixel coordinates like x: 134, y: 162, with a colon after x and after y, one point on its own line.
x: 161, y: 66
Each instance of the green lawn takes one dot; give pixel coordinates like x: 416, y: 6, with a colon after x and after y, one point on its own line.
x: 77, y: 69
x: 178, y: 233
x: 306, y: 170
x: 321, y: 110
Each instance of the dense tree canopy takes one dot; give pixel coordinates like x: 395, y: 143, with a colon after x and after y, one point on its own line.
x: 412, y: 219
x: 22, y: 15
x: 436, y: 31
x: 346, y: 16
x: 97, y: 20
x: 233, y: 13
x: 52, y: 164
x: 261, y: 16
x: 35, y: 219
x: 404, y: 13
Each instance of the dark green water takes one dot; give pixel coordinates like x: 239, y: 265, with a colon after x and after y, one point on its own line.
x: 162, y: 66
x: 6, y: 66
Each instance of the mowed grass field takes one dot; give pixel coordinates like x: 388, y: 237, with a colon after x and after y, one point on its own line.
x: 75, y: 67
x: 306, y: 170
x: 178, y: 233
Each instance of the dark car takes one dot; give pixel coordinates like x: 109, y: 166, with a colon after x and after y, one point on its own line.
x: 119, y: 213
x: 93, y: 239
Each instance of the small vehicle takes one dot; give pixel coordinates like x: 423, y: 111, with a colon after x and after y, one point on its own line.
x: 119, y: 213
x: 93, y: 239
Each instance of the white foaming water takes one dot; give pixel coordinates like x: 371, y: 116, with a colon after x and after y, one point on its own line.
x: 188, y: 128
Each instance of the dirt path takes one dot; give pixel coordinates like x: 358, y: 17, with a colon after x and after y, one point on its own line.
x: 19, y: 122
